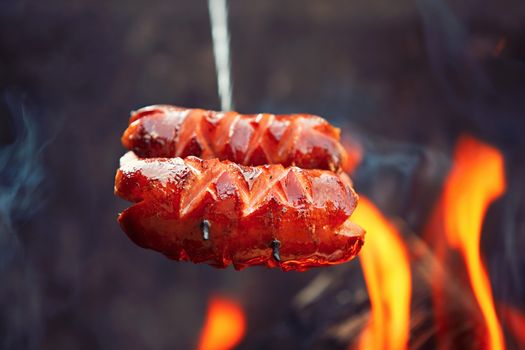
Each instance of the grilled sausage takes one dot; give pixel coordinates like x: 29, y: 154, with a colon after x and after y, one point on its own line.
x: 302, y: 140
x: 222, y: 213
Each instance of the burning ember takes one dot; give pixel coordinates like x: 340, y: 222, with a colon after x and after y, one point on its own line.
x: 224, y: 325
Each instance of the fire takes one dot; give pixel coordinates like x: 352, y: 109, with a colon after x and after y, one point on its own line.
x: 477, y: 178
x: 224, y: 325
x: 386, y: 267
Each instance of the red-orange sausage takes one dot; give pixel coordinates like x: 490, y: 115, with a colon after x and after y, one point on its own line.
x: 303, y: 140
x: 244, y: 212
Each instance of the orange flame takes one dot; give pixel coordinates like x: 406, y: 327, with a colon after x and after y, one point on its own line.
x: 477, y: 178
x: 224, y: 326
x: 385, y: 264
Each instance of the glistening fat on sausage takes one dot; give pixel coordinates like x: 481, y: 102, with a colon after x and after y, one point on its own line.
x: 222, y: 213
x: 303, y: 140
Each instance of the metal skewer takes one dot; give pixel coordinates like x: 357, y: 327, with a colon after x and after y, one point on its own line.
x: 205, y: 228
x: 276, y: 244
x: 221, y: 50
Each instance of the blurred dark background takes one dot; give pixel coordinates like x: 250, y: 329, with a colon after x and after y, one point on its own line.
x: 405, y: 78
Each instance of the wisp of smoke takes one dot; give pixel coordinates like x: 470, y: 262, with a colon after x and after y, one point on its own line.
x: 21, y: 176
x: 21, y: 179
